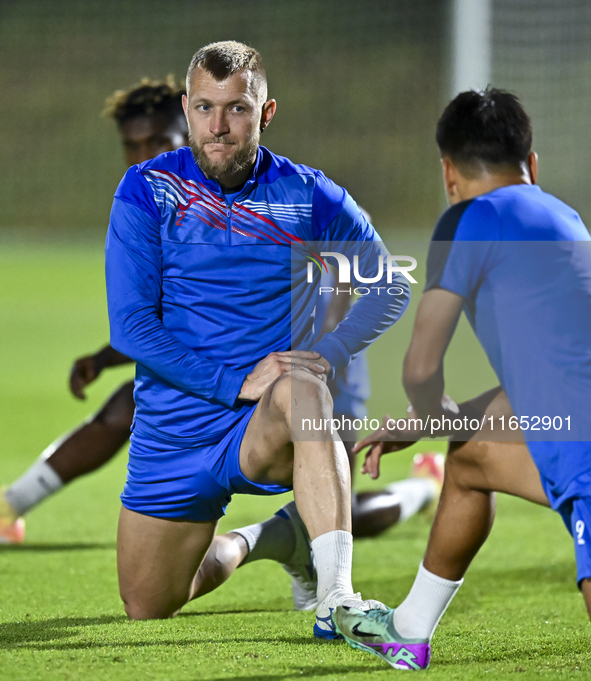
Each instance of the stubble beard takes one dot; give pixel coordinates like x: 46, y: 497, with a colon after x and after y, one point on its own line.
x: 240, y: 160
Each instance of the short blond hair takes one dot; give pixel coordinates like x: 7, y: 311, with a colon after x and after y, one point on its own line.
x: 223, y: 59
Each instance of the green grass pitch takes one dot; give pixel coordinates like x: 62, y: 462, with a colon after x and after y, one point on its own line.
x: 518, y: 615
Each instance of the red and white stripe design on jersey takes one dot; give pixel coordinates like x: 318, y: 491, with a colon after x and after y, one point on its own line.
x: 195, y: 199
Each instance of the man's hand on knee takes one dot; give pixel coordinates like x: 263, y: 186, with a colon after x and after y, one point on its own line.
x: 274, y: 365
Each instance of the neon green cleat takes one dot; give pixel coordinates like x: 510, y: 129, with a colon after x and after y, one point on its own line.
x: 373, y: 631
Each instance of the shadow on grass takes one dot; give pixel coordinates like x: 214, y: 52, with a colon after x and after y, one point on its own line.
x: 22, y: 634
x: 299, y: 673
x: 47, y: 634
x: 244, y: 611
x: 49, y: 548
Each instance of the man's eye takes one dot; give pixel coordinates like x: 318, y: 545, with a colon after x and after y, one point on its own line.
x: 203, y: 107
x: 239, y: 109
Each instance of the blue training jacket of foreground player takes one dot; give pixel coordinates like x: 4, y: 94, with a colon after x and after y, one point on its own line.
x: 201, y: 288
x: 521, y: 259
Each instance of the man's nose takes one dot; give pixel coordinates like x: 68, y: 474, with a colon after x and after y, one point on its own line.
x: 219, y: 124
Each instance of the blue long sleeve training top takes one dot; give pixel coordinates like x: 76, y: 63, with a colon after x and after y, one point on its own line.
x: 200, y: 289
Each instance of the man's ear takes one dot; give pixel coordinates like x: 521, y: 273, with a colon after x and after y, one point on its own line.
x: 532, y: 162
x: 185, y: 103
x: 450, y: 179
x: 269, y: 109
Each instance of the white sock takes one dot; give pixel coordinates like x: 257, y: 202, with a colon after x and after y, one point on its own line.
x: 273, y: 540
x: 333, y: 553
x: 39, y: 482
x: 414, y: 493
x: 421, y: 610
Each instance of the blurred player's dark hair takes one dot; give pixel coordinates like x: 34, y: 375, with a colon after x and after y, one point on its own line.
x: 147, y: 98
x: 489, y: 128
x: 225, y: 58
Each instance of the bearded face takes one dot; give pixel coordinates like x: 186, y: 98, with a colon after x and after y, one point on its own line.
x: 238, y: 157
x: 225, y: 118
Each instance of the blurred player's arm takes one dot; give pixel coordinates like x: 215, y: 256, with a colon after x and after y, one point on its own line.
x: 339, y: 305
x: 87, y: 369
x: 335, y: 312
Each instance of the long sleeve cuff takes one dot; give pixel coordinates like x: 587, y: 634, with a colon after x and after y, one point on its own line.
x: 229, y: 386
x: 334, y: 352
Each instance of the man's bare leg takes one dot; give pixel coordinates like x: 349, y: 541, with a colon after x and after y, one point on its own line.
x: 371, y: 512
x: 277, y: 446
x: 96, y: 441
x: 157, y: 561
x: 163, y: 564
x: 276, y: 450
x: 230, y: 551
x: 82, y: 451
x: 586, y: 589
x: 474, y: 471
x: 226, y: 553
x: 161, y: 591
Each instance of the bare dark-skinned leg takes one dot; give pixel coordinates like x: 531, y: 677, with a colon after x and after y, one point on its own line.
x: 473, y: 471
x: 462, y: 524
x: 586, y: 589
x: 95, y: 442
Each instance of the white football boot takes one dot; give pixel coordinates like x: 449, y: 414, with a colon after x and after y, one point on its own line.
x: 324, y: 627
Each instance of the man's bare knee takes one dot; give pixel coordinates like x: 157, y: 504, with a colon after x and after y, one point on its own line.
x: 300, y: 388
x: 465, y: 463
x: 141, y: 609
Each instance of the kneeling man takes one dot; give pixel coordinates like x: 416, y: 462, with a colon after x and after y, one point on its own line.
x: 209, y: 292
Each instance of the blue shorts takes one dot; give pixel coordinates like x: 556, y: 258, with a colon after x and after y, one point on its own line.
x: 576, y: 514
x: 193, y: 483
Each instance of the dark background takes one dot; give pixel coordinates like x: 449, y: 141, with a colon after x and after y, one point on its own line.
x: 359, y: 83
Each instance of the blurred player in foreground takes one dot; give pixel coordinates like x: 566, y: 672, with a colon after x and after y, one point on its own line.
x: 150, y: 120
x: 518, y: 261
x: 200, y: 289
